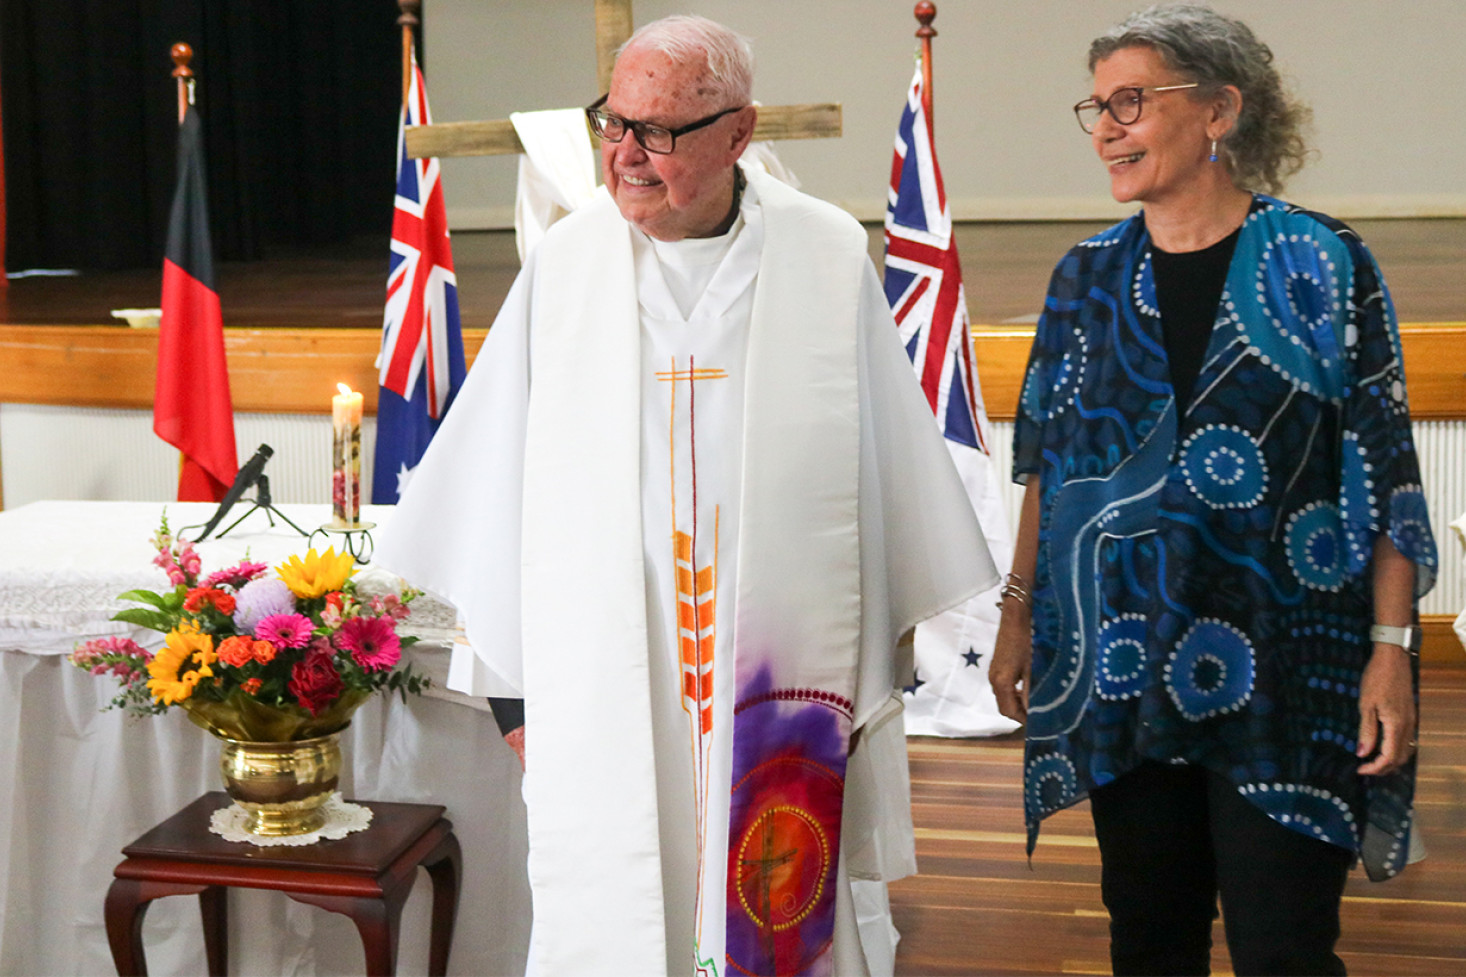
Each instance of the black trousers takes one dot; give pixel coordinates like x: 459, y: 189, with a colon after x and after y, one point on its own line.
x: 1172, y: 839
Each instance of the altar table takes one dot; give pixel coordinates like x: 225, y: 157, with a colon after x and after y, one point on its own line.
x: 77, y: 784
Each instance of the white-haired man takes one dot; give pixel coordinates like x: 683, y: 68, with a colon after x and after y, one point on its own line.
x: 688, y: 502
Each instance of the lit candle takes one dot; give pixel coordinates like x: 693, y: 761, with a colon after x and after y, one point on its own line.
x: 346, y: 457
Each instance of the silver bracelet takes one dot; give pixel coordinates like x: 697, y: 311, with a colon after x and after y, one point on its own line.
x: 1406, y: 638
x: 1015, y: 586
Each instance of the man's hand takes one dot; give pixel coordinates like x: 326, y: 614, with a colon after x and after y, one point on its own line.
x: 1011, y: 671
x: 1387, y: 719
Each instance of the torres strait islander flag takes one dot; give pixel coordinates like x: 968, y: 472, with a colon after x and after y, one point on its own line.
x: 191, y: 407
x: 421, y: 363
x: 951, y: 695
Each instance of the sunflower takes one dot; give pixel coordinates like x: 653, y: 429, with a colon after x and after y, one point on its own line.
x: 185, y: 645
x: 318, y: 574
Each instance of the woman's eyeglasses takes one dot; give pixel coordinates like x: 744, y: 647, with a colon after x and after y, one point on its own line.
x: 1124, y: 105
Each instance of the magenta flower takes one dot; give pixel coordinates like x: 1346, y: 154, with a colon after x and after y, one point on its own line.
x: 191, y: 562
x: 372, y: 642
x: 285, y: 630
x: 178, y: 559
x: 235, y: 576
x: 163, y: 559
x: 90, y: 652
x: 121, y: 657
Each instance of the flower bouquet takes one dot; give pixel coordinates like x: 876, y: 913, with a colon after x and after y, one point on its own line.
x: 255, y: 656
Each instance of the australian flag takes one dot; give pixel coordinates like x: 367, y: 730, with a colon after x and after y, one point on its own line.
x: 421, y: 363
x: 951, y: 695
x: 924, y: 279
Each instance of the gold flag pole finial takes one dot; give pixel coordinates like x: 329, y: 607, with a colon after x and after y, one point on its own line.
x: 182, y: 54
x: 926, y: 12
x: 408, y: 20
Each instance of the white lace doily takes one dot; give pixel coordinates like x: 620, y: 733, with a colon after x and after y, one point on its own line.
x: 342, y: 819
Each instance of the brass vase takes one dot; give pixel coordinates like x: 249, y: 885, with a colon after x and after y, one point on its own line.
x: 282, y: 786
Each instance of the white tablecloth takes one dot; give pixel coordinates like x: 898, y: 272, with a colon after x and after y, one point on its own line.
x: 76, y: 783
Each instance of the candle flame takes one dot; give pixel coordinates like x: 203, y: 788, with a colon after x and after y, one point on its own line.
x: 345, y: 390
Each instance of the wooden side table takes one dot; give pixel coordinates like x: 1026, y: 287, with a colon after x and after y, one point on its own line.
x: 366, y: 876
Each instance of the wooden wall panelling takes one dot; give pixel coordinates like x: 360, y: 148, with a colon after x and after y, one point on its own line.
x: 296, y: 370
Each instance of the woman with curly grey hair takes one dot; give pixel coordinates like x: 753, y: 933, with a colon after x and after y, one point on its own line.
x: 1210, y: 625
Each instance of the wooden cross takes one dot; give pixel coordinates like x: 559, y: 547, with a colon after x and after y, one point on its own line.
x: 613, y: 27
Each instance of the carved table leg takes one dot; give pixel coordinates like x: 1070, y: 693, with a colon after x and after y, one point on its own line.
x: 377, y: 920
x: 214, y: 905
x: 127, y: 903
x: 445, y: 868
x: 124, y: 911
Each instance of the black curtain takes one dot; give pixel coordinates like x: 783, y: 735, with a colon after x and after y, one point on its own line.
x: 299, y: 102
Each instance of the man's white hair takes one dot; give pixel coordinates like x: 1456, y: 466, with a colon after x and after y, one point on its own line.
x: 726, y: 55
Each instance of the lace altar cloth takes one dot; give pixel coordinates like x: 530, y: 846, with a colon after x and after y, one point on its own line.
x: 62, y: 565
x: 342, y: 818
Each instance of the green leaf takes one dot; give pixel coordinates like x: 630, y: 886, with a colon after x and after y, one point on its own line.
x: 141, y: 616
x: 144, y: 597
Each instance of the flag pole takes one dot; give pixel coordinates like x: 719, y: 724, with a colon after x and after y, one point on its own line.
x: 925, y: 13
x: 182, y: 54
x: 191, y: 404
x: 408, y: 21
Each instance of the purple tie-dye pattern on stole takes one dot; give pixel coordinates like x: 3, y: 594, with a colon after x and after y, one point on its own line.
x: 789, y: 750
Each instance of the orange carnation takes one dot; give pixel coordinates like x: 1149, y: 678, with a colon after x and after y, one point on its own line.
x: 236, y: 651
x: 240, y: 650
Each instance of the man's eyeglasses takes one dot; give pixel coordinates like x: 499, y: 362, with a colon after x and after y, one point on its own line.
x: 652, y: 138
x: 1124, y: 105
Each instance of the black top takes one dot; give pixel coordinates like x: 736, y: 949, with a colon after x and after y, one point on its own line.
x: 1188, y: 288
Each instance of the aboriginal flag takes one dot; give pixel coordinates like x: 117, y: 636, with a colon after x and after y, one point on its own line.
x: 192, y: 409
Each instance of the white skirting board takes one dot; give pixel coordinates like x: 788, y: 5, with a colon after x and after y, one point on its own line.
x: 93, y: 453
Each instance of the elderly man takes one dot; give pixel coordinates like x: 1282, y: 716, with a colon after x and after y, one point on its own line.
x: 688, y: 503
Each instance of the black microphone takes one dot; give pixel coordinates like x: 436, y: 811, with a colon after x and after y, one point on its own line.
x: 248, y: 475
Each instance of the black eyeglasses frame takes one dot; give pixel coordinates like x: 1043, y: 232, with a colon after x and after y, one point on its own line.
x: 640, y: 131
x: 1103, y: 105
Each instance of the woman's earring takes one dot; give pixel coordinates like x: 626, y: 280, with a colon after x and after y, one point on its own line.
x: 1213, y: 157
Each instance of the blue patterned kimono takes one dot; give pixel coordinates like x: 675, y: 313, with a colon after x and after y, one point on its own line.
x: 1203, y: 589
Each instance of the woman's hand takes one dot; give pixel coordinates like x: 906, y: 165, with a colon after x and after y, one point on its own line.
x: 1387, y: 719
x: 1386, y: 711
x: 1011, y: 671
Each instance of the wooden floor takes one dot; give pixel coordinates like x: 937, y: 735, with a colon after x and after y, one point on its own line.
x: 978, y: 908
x: 1006, y: 269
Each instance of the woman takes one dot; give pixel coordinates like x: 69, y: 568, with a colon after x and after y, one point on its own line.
x: 1226, y: 504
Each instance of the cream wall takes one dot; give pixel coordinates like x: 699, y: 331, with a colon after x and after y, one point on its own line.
x: 1384, y: 79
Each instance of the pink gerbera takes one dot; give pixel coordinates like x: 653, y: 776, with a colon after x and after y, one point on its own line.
x: 285, y: 630
x: 372, y: 642
x: 235, y: 576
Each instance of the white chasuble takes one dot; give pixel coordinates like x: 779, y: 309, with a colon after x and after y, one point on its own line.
x: 690, y: 522
x: 695, y: 297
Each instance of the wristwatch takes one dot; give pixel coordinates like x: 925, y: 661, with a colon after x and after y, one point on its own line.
x: 1407, y: 638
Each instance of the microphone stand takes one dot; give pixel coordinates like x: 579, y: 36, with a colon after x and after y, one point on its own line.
x: 262, y: 501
